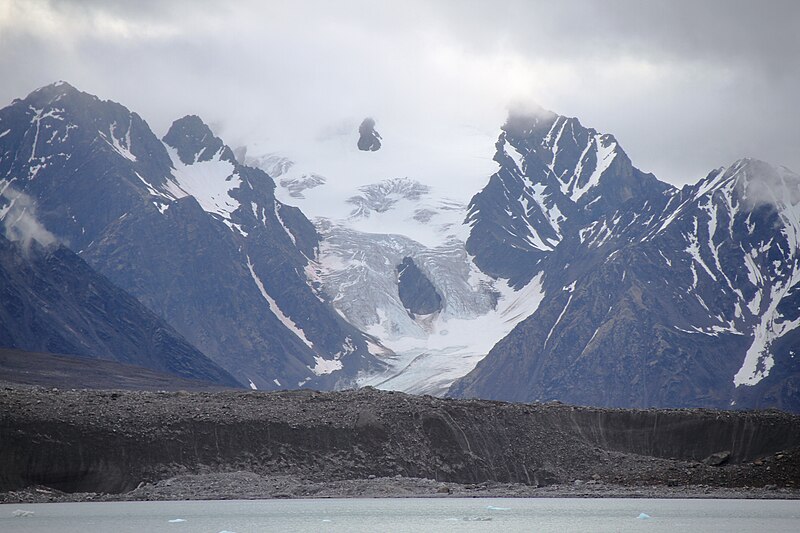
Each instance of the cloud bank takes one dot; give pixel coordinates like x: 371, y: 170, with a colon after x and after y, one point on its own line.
x: 685, y: 86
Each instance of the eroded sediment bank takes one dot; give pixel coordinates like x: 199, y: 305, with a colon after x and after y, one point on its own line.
x: 374, y: 443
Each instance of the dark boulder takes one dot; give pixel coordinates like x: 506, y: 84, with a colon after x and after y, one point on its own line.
x: 717, y: 459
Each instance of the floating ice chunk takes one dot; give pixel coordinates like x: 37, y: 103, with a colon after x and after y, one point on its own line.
x: 19, y: 513
x: 643, y: 516
x: 493, y: 508
x: 477, y: 519
x: 176, y: 520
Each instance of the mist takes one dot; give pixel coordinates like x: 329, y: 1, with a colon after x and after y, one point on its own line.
x: 19, y: 222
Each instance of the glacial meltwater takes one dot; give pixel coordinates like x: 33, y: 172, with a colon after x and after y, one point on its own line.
x: 413, y: 515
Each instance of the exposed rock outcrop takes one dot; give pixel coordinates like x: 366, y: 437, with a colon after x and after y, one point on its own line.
x: 53, y: 301
x: 416, y: 291
x: 369, y: 140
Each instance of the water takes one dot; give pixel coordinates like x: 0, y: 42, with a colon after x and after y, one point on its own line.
x: 413, y: 515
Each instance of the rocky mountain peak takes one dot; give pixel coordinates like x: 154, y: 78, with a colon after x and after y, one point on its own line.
x: 195, y: 142
x: 55, y: 91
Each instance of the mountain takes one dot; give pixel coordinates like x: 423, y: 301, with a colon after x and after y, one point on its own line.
x: 654, y: 296
x: 561, y: 247
x: 555, y: 177
x: 570, y: 275
x: 52, y: 301
x: 196, y: 236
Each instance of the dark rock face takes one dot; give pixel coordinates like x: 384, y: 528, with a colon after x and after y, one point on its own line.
x: 416, y: 291
x: 201, y: 239
x: 369, y: 140
x: 112, y: 441
x: 653, y: 296
x: 52, y: 301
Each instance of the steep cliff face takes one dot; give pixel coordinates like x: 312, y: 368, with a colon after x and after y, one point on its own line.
x: 555, y: 176
x: 111, y: 441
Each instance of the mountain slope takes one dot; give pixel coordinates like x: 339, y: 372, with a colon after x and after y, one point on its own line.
x: 52, y: 301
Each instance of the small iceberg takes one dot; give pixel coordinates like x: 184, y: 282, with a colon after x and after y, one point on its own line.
x: 643, y: 516
x: 19, y: 513
x: 493, y: 508
x: 176, y: 520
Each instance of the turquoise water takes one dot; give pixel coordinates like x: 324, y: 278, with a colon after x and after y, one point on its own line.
x: 412, y: 515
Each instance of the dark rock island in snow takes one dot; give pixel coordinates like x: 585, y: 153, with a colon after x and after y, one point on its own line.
x: 369, y: 140
x: 416, y: 291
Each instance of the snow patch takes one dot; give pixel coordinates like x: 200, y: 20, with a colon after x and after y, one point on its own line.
x: 605, y: 151
x: 325, y: 366
x: 122, y: 149
x: 759, y: 360
x: 273, y: 306
x: 278, y: 207
x: 209, y: 182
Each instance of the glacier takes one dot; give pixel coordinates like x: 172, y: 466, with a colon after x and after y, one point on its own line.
x: 384, y: 214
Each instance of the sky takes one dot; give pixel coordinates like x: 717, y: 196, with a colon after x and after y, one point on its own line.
x: 685, y: 86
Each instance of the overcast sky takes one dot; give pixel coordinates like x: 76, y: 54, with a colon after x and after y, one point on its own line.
x: 686, y: 86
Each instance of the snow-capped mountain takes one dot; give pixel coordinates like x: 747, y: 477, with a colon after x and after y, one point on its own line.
x: 196, y: 236
x: 653, y: 295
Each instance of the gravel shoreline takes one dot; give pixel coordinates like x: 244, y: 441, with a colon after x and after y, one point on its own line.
x: 250, y: 486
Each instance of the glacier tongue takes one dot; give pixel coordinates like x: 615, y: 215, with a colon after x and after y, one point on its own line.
x: 357, y: 270
x: 456, y: 344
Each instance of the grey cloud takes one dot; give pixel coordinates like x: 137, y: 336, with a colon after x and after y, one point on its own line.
x: 685, y: 86
x: 760, y: 33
